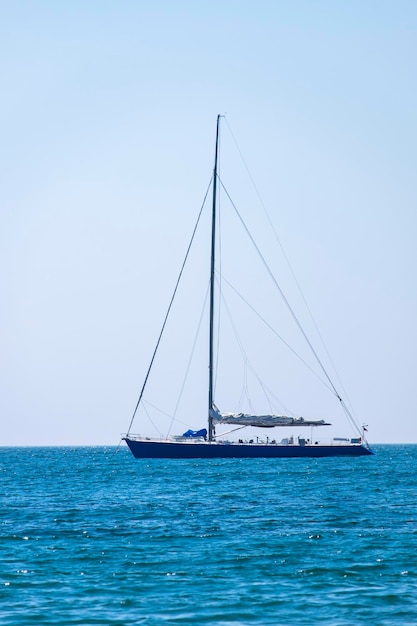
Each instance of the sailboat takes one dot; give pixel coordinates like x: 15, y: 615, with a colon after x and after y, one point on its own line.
x: 205, y: 443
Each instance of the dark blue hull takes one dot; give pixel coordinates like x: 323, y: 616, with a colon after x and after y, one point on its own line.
x: 174, y: 450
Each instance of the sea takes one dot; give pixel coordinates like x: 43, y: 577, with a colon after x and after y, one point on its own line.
x: 90, y: 535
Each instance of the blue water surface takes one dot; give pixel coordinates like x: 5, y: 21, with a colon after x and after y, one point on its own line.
x: 91, y: 536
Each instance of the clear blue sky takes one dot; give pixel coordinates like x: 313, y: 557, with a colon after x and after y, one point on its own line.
x: 107, y: 126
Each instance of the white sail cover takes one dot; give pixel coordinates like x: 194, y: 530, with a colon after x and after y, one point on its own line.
x: 264, y: 421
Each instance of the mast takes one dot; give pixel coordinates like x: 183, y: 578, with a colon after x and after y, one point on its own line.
x: 213, y: 252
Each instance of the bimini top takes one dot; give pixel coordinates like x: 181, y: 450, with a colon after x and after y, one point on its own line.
x: 263, y: 421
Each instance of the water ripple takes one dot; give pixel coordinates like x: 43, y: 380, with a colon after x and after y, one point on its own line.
x: 89, y: 537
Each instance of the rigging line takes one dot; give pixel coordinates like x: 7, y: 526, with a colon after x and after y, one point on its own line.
x: 118, y: 448
x: 232, y: 431
x: 352, y: 419
x: 287, y: 260
x: 348, y: 413
x: 247, y: 361
x: 268, y: 392
x: 237, y: 338
x: 280, y: 291
x: 157, y: 408
x: 189, y: 360
x: 169, y: 308
x: 271, y: 328
x: 244, y: 393
x: 151, y: 421
x: 238, y: 341
x: 146, y: 402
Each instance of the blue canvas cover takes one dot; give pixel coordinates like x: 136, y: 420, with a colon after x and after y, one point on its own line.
x: 196, y: 433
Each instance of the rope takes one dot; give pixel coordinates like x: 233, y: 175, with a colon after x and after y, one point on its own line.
x: 169, y: 310
x: 245, y: 391
x: 173, y: 417
x: 272, y: 329
x: 292, y: 313
x: 292, y: 273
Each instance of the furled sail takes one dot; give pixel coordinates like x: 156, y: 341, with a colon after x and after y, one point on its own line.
x: 263, y: 421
